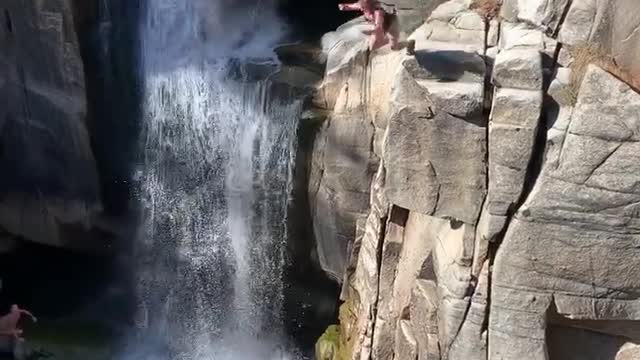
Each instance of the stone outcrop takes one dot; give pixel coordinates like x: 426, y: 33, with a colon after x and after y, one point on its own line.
x: 584, y: 207
x: 612, y: 26
x: 502, y: 218
x: 49, y: 189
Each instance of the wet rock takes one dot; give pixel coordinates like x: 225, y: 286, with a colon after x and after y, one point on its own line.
x: 50, y: 186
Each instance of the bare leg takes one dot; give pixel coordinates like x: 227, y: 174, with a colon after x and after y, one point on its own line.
x: 394, y: 36
x: 378, y: 38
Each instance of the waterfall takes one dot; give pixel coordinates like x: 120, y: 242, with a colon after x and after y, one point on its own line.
x: 215, y: 180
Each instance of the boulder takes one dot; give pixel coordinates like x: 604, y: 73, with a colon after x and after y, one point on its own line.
x: 518, y: 69
x: 610, y: 26
x: 512, y: 132
x: 427, y: 149
x: 454, y: 22
x: 545, y: 14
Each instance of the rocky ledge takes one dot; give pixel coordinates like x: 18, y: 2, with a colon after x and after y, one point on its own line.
x: 479, y: 200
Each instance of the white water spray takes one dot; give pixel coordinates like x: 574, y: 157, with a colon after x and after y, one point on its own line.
x: 215, y: 182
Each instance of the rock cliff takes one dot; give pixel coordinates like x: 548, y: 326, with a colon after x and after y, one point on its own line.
x: 477, y: 200
x: 51, y: 187
x: 49, y: 182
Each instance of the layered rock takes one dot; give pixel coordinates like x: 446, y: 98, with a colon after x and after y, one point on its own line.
x: 584, y: 207
x: 428, y: 194
x: 502, y: 217
x: 49, y: 191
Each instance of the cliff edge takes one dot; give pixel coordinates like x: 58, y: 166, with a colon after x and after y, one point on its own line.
x: 478, y: 200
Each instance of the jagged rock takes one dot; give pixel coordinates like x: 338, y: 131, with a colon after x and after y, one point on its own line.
x: 412, y: 13
x: 512, y: 131
x: 625, y: 38
x: 518, y: 69
x: 341, y: 169
x: 452, y: 260
x: 346, y: 148
x: 545, y: 14
x: 558, y: 113
x: 414, y: 260
x: 364, y: 288
x: 580, y: 21
x: 387, y: 315
x: 50, y: 187
x: 454, y: 22
x: 584, y: 207
x: 490, y: 226
x: 406, y: 344
x: 424, y: 319
x: 519, y: 35
x: 471, y: 342
x: 424, y: 162
x: 612, y: 26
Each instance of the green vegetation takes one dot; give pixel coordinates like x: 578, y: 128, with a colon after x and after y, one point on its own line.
x: 69, y: 340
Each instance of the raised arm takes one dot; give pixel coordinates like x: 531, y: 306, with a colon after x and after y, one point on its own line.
x: 26, y: 312
x: 350, y: 7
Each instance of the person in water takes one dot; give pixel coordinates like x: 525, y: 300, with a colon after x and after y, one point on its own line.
x: 386, y: 29
x: 9, y: 322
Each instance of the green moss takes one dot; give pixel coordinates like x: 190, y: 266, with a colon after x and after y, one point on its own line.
x: 331, y: 335
x: 337, y: 341
x: 328, y: 346
x: 84, y: 333
x: 71, y: 340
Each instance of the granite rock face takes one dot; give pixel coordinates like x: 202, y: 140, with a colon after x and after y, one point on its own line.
x: 502, y: 220
x: 49, y: 190
x: 583, y: 206
x: 612, y: 26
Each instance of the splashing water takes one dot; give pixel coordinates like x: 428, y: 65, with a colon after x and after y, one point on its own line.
x: 215, y: 182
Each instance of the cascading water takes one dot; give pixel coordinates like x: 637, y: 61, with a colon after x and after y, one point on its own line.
x: 215, y: 182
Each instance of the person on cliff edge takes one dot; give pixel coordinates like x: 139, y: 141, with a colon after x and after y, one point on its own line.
x: 386, y: 28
